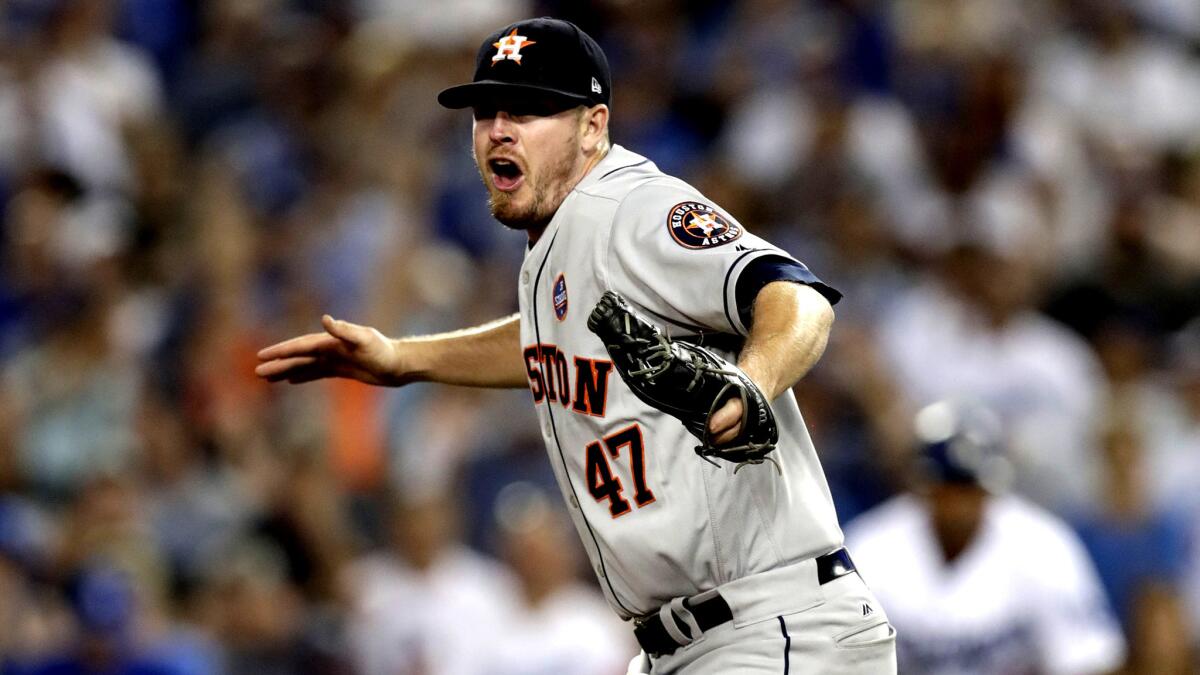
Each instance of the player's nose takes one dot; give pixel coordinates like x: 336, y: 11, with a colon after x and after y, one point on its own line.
x: 502, y: 129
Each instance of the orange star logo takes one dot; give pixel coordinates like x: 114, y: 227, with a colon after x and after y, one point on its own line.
x: 509, y: 47
x: 706, y: 222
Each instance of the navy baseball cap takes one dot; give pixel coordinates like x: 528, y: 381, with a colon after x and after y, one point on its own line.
x: 961, y: 442
x: 540, y: 59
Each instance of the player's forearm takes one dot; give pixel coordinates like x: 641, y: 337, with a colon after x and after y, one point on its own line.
x: 483, y: 356
x: 789, y: 333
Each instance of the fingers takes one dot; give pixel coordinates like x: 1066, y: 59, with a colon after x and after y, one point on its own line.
x: 298, y: 346
x: 309, y: 373
x: 352, y: 333
x: 284, y: 368
x: 336, y: 331
x: 317, y: 355
x: 300, y: 369
x: 726, y: 422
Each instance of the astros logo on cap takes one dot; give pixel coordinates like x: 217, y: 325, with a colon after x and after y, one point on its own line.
x: 697, y: 225
x: 509, y: 47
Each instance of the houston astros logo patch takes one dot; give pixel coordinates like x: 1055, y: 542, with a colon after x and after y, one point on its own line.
x: 509, y: 47
x: 560, y: 297
x: 698, y: 225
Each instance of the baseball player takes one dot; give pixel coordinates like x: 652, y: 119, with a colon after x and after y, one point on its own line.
x: 722, y: 566
x: 978, y: 582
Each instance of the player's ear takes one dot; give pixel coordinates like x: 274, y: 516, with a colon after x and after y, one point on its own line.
x: 593, y: 127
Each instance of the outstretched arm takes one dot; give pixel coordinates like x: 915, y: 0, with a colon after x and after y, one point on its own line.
x: 790, y: 330
x: 483, y: 356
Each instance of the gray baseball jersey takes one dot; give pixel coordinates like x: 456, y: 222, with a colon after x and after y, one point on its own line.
x: 657, y: 521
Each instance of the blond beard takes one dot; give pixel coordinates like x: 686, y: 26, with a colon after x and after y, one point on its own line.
x: 548, y: 195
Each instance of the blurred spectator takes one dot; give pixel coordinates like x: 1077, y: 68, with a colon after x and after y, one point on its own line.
x: 427, y: 604
x: 561, y: 625
x: 859, y: 423
x: 1173, y: 427
x: 35, y: 621
x: 196, y: 509
x: 107, y: 614
x: 1158, y: 635
x: 457, y: 21
x: 249, y: 605
x: 1179, y: 441
x: 1134, y: 544
x: 485, y: 477
x: 92, y: 89
x: 972, y: 332
x: 74, y: 400
x: 976, y: 581
x: 1132, y: 94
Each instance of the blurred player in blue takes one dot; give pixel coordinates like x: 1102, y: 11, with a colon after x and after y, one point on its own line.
x: 977, y: 581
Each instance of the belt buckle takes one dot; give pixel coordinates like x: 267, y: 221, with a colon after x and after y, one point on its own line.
x: 639, y: 623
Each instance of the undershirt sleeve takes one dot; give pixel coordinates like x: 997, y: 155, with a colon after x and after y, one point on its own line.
x: 771, y: 268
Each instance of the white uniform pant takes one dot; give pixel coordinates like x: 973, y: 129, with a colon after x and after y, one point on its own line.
x: 847, y: 634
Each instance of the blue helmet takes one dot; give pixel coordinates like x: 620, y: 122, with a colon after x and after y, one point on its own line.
x: 960, y: 442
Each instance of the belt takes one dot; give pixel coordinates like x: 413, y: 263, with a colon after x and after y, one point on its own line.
x: 656, y: 638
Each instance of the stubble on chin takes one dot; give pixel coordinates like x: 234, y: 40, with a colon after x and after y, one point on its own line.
x: 548, y: 194
x: 509, y: 215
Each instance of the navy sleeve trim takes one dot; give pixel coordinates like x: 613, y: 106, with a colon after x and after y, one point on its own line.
x: 725, y: 291
x: 769, y: 268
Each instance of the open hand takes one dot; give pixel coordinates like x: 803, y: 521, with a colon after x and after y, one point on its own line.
x: 344, y: 350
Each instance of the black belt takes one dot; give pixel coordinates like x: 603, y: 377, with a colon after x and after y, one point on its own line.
x: 714, y: 611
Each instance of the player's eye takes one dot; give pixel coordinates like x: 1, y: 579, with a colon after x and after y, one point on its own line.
x: 532, y: 109
x: 522, y: 108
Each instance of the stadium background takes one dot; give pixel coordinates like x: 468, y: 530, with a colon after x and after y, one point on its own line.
x: 1007, y: 192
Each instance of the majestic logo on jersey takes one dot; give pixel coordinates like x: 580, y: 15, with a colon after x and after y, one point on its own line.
x: 697, y: 225
x: 509, y: 47
x: 560, y: 297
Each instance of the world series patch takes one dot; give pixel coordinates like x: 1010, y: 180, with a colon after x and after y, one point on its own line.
x: 560, y: 297
x: 698, y: 225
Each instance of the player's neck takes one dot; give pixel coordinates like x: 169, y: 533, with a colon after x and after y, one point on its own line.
x: 955, y: 540
x: 535, y: 233
x: 601, y: 153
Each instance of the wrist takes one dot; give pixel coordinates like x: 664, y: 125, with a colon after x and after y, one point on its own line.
x: 761, y: 377
x: 408, y: 362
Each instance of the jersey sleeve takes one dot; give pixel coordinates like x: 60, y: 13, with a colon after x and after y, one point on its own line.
x: 1077, y: 631
x: 684, y: 259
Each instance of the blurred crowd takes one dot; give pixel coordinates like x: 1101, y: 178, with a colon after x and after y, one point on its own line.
x: 1008, y: 193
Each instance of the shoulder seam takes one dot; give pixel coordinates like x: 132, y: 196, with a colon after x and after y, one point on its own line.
x: 622, y: 168
x: 652, y: 180
x: 593, y: 195
x: 612, y: 222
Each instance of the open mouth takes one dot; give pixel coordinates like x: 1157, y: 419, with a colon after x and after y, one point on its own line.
x: 506, y: 175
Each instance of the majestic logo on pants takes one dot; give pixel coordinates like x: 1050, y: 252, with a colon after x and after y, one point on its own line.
x: 697, y: 225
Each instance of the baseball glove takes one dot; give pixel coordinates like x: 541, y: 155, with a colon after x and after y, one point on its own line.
x: 685, y: 381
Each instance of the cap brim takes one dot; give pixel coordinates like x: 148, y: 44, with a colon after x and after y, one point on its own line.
x: 491, y: 91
